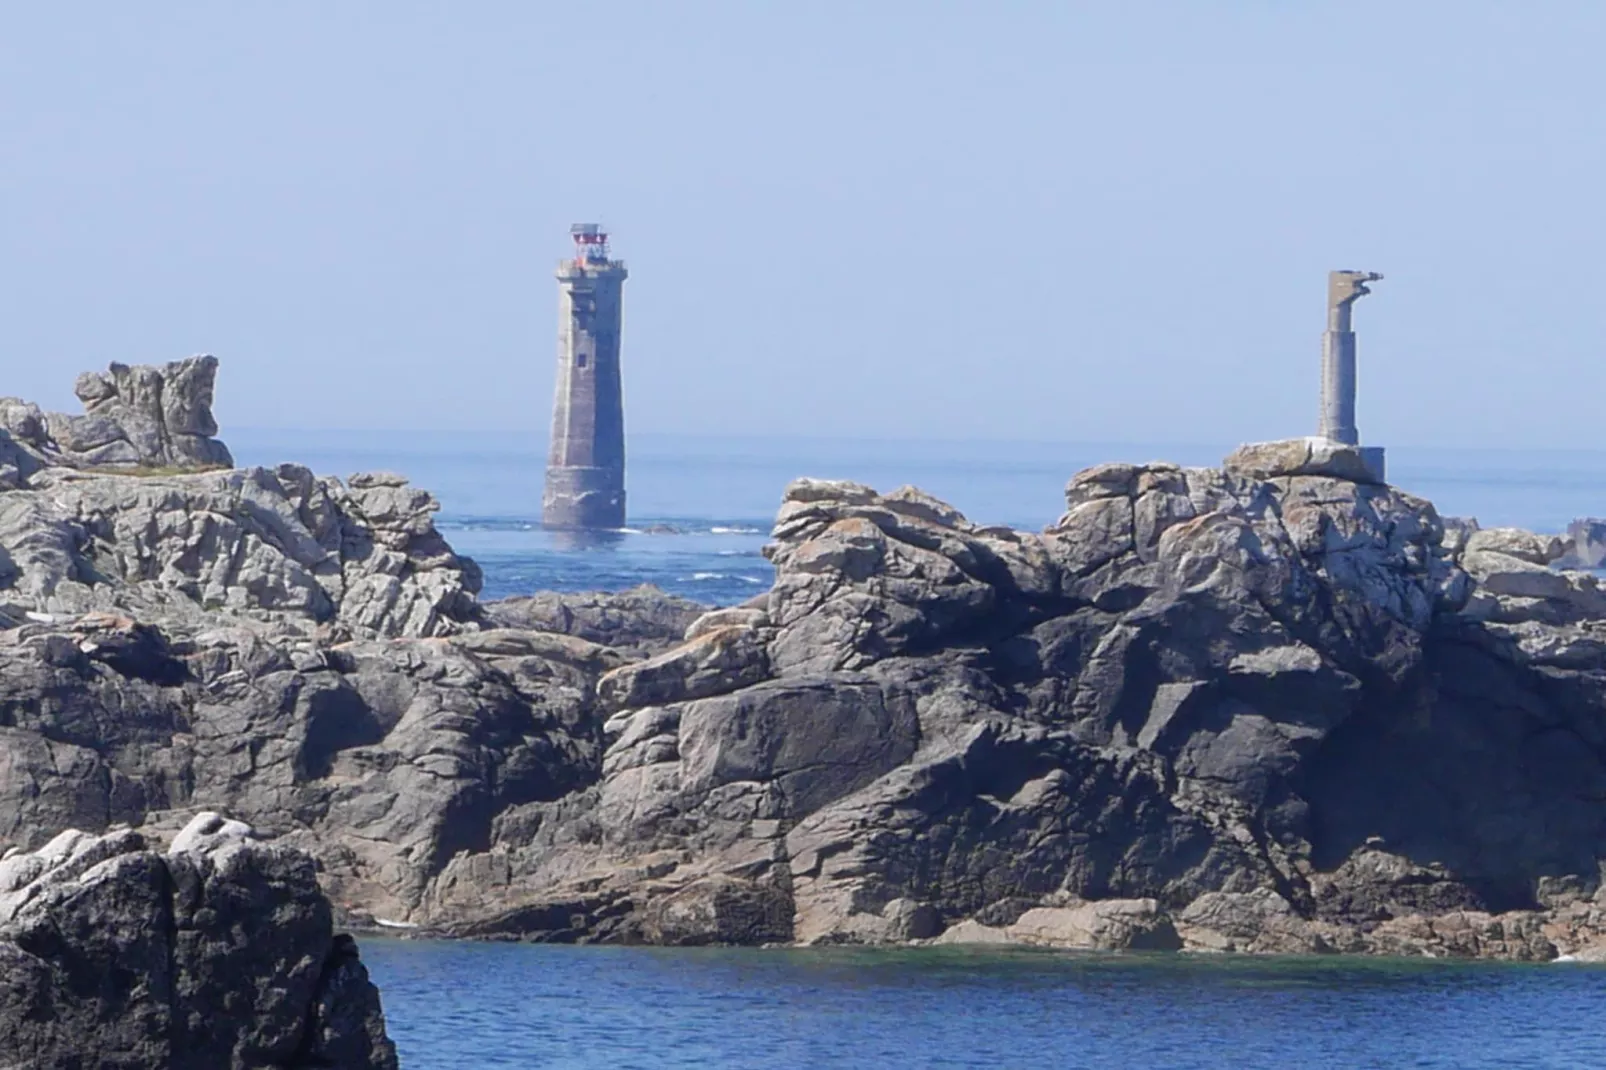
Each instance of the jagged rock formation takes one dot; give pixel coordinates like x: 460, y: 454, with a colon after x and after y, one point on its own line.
x: 1261, y: 708
x: 1274, y: 706
x: 134, y: 417
x: 219, y: 953
x: 280, y: 546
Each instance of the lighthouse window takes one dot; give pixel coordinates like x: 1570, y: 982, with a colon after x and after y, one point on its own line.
x: 581, y: 360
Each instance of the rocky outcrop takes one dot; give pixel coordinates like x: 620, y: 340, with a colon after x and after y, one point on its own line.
x: 1276, y: 706
x: 219, y: 952
x: 279, y: 546
x: 98, y: 512
x: 1210, y: 709
x: 139, y: 416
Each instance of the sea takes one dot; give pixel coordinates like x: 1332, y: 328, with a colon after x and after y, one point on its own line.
x: 700, y: 509
x: 466, y: 1005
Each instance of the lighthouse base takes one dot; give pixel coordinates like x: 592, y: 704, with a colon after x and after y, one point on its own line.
x: 584, y: 498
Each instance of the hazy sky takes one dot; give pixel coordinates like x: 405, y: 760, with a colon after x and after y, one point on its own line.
x: 1074, y: 221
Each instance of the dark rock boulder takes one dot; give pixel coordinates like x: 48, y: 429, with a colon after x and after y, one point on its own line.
x: 219, y: 953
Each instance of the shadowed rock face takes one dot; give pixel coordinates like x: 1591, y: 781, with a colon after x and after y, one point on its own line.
x: 219, y: 953
x: 1274, y: 706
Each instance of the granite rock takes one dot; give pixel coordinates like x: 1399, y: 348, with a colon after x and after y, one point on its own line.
x: 1176, y: 696
x: 279, y: 546
x: 1270, y: 707
x: 220, y: 954
x: 139, y: 416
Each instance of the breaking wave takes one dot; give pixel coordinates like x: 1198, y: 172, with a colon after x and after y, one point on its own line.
x: 707, y: 576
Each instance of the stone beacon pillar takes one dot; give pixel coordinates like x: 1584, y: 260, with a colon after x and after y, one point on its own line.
x: 585, y: 475
x: 1344, y: 288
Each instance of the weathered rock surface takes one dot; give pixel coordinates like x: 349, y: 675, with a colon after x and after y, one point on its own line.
x: 1269, y: 707
x: 139, y: 416
x: 280, y: 546
x: 1205, y: 709
x: 1300, y: 457
x: 220, y: 952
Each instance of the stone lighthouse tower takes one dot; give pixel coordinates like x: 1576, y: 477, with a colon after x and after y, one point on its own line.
x: 585, y: 475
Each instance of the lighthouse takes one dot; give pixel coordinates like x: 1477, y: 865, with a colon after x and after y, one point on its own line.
x: 585, y: 475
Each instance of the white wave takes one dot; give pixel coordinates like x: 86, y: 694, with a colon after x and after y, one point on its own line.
x: 725, y: 576
x: 736, y: 531
x: 388, y: 924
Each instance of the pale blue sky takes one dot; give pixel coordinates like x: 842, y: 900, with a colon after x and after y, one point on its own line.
x: 1068, y: 221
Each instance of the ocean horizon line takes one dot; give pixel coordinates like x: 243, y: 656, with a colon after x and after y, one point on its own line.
x: 538, y: 439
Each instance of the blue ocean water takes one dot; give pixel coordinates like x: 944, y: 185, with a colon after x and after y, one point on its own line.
x: 700, y: 507
x: 512, y: 1005
x: 700, y: 511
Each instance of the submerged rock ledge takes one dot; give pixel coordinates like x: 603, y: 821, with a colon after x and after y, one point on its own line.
x: 1274, y: 706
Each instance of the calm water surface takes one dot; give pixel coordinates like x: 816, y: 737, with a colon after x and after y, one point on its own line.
x: 700, y: 510
x: 510, y: 1005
